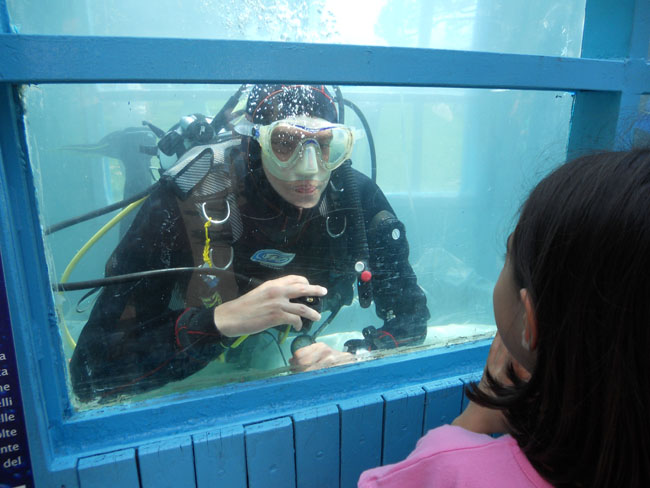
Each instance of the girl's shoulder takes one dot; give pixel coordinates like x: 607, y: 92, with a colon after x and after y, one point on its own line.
x: 452, y: 456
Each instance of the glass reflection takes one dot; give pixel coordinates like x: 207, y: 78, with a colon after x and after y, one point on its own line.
x: 229, y: 214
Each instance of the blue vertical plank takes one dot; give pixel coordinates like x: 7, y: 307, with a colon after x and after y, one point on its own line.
x: 594, y: 122
x: 220, y: 458
x: 270, y: 456
x: 442, y: 402
x: 640, y: 38
x: 608, y: 33
x: 167, y: 464
x: 317, y: 438
x: 403, y: 419
x: 362, y: 420
x: 607, y: 28
x: 109, y: 470
x: 476, y: 377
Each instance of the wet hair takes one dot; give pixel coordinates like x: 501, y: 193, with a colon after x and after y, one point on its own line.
x: 268, y: 103
x: 582, y: 250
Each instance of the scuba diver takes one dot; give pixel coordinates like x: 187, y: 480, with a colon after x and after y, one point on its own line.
x: 275, y: 227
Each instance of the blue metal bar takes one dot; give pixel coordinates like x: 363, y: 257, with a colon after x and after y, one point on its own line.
x: 607, y: 28
x: 602, y: 120
x: 119, y: 59
x: 631, y: 99
x: 5, y: 23
x: 640, y: 36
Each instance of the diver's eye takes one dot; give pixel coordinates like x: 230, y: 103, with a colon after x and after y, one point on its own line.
x: 283, y: 144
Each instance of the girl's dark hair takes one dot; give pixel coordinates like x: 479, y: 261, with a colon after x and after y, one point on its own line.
x: 582, y: 250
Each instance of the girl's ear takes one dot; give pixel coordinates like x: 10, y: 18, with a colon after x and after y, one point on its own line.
x: 530, y: 326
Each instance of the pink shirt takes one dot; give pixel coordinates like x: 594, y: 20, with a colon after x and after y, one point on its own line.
x: 452, y: 457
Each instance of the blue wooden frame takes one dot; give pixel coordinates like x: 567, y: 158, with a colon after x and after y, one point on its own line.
x: 65, y: 446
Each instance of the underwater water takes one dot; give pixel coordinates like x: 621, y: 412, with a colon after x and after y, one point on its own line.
x: 545, y: 27
x: 454, y: 165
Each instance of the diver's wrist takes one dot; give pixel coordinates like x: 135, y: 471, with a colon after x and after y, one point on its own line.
x: 221, y: 325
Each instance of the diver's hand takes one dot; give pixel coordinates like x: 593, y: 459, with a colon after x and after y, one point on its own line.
x: 318, y: 355
x: 487, y: 420
x: 268, y: 305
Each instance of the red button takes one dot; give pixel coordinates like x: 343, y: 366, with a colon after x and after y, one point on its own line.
x: 366, y: 276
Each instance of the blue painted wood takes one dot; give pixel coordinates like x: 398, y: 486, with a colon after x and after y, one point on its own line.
x: 317, y: 443
x: 442, y: 402
x: 199, y: 411
x: 607, y: 28
x: 403, y: 419
x: 55, y: 431
x: 270, y: 455
x: 30, y: 302
x: 219, y: 458
x: 109, y: 470
x: 62, y: 472
x: 593, y: 125
x: 5, y: 23
x: 167, y: 464
x: 362, y: 420
x: 621, y: 32
x: 640, y: 38
x: 476, y: 377
x: 109, y: 59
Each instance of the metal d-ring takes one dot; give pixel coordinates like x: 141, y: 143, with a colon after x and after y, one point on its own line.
x: 331, y: 234
x: 232, y: 257
x: 334, y: 187
x: 212, y: 221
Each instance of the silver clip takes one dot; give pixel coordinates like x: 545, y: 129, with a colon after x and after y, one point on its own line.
x: 216, y: 222
x: 331, y: 234
x: 334, y: 188
x: 232, y: 257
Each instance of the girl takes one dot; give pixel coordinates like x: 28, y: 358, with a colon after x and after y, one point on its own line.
x: 568, y: 375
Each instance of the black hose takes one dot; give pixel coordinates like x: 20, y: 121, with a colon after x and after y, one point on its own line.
x: 341, y: 102
x: 327, y: 321
x: 371, y: 141
x: 100, y: 211
x: 220, y: 120
x: 113, y: 280
x: 360, y: 251
x: 277, y: 343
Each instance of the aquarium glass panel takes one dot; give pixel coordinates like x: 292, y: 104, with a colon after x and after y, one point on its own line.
x: 548, y: 27
x: 450, y: 168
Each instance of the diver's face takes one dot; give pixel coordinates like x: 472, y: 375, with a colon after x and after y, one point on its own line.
x: 305, y: 190
x: 302, y: 183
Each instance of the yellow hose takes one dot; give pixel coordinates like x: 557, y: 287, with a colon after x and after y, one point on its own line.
x: 84, y: 249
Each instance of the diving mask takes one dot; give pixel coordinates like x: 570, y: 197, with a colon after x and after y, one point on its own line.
x: 287, y: 141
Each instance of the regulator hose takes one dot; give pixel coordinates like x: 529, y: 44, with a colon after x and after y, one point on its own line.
x: 154, y: 273
x: 360, y: 251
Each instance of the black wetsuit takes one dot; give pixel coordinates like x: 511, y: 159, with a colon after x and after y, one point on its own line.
x: 144, y: 334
